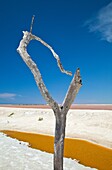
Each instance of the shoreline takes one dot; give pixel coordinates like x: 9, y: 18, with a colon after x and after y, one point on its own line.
x: 74, y: 107
x: 92, y: 125
x: 33, y: 158
x: 86, y: 126
x: 74, y: 148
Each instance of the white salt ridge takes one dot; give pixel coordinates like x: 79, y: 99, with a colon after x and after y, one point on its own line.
x: 16, y: 155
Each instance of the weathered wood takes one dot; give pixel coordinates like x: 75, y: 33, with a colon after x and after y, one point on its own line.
x: 59, y: 111
x: 54, y: 54
x: 22, y: 50
x: 32, y: 21
x: 59, y: 141
x: 74, y: 87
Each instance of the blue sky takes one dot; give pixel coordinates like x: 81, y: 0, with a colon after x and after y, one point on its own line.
x: 80, y: 31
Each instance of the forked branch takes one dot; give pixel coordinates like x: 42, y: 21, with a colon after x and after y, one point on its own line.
x: 76, y: 81
x: 60, y: 112
x: 22, y: 49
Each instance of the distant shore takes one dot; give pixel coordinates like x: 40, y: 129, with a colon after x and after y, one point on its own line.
x: 75, y: 106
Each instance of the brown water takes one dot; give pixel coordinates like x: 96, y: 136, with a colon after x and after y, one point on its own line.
x: 88, y: 153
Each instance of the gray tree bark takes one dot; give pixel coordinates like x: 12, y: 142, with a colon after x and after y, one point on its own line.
x: 60, y: 112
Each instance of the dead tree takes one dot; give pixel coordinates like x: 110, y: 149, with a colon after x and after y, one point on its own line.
x: 60, y: 112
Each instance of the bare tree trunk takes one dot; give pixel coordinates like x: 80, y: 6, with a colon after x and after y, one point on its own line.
x: 59, y: 141
x: 60, y: 112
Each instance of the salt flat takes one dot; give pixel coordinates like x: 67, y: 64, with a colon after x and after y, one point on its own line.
x: 93, y: 125
x: 16, y: 156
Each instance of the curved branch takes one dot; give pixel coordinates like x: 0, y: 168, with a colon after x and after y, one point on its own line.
x: 22, y: 50
x: 54, y: 54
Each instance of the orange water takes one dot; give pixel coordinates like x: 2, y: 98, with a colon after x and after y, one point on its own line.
x: 88, y: 153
